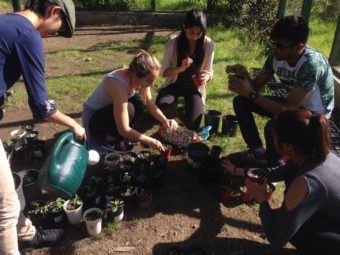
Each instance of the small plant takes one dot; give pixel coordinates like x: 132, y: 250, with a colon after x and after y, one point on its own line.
x: 74, y: 203
x: 38, y: 207
x: 128, y: 191
x: 125, y: 177
x: 55, y: 205
x: 114, y: 205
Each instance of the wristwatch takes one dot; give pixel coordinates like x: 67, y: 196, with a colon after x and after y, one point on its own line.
x: 253, y: 95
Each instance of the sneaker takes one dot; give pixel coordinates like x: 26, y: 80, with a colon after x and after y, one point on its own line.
x: 248, y: 158
x: 48, y: 237
x: 122, y: 145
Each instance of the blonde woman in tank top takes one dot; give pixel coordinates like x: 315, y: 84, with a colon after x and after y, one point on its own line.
x: 118, y: 101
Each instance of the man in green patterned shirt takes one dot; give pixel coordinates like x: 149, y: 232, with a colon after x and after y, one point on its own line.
x: 306, y: 80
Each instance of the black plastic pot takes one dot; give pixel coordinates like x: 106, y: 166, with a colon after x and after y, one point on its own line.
x: 212, y: 118
x: 38, y: 149
x: 30, y: 185
x: 197, y: 150
x: 229, y: 125
x: 39, y: 219
x: 210, y: 171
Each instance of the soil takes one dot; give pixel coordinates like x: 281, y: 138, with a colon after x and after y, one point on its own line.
x: 184, y: 213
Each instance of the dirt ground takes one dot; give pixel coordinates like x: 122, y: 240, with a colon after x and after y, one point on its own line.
x: 184, y: 212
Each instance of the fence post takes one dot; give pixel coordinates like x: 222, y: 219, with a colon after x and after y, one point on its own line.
x: 153, y: 5
x: 334, y: 57
x: 306, y: 9
x: 282, y: 9
x: 16, y: 5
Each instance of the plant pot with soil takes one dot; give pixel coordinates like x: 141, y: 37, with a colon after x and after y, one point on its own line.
x: 112, y: 190
x: 144, y: 198
x: 18, y: 188
x: 112, y: 159
x: 30, y: 185
x: 93, y: 220
x: 128, y: 194
x: 55, y: 210
x: 74, y: 210
x: 196, y: 151
x: 115, y: 210
x: 37, y: 212
x: 212, y: 118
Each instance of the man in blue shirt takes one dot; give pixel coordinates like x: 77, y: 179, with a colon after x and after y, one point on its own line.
x: 22, y: 54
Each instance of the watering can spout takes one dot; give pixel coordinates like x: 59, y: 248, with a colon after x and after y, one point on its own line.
x: 64, y: 169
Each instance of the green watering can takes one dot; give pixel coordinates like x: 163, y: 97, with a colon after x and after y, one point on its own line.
x: 64, y: 169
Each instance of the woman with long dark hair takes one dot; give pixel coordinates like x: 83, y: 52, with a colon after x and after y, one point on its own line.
x: 309, y: 217
x: 187, y: 67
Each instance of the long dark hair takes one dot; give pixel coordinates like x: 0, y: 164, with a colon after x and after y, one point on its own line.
x: 307, y: 132
x: 193, y: 18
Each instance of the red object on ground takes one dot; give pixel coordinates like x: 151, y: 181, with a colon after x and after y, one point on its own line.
x: 167, y: 153
x: 226, y: 195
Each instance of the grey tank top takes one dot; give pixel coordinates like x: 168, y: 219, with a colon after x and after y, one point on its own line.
x: 100, y: 98
x: 322, y: 199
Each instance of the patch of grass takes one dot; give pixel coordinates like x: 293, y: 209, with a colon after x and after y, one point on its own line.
x: 111, y: 227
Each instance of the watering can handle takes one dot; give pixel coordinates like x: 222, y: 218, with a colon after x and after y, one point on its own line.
x: 65, y: 138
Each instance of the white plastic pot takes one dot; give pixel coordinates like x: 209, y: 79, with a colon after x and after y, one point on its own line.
x: 73, y: 216
x: 93, y: 227
x: 119, y: 217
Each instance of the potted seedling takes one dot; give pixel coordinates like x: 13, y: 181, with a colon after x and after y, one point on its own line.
x: 226, y: 193
x: 55, y: 209
x: 28, y: 127
x: 126, y: 177
x: 245, y: 196
x: 115, y: 210
x: 37, y: 212
x: 74, y: 210
x: 144, y: 155
x: 111, y: 190
x: 130, y: 156
x: 92, y: 191
x: 126, y: 166
x: 127, y: 193
x: 37, y: 148
x: 93, y: 220
x: 144, y: 197
x: 112, y: 159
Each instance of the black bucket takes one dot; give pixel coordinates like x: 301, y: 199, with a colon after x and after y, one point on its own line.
x: 229, y: 125
x: 212, y: 118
